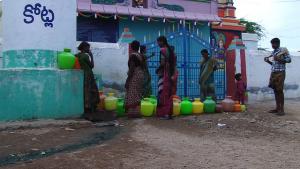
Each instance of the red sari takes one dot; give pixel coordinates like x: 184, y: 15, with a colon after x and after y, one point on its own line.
x: 165, y: 84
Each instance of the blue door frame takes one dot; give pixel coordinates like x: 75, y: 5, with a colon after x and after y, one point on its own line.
x: 187, y: 48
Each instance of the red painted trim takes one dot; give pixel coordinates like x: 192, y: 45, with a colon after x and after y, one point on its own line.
x: 229, y: 20
x: 226, y: 7
x: 231, y: 13
x: 230, y: 72
x: 229, y: 27
x: 221, y: 13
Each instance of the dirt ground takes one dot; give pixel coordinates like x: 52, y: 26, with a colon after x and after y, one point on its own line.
x: 251, y: 140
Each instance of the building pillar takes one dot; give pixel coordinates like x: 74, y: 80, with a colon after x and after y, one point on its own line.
x: 235, y: 63
x: 31, y: 85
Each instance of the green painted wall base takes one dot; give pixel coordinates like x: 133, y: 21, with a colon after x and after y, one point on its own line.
x: 40, y: 94
x: 30, y: 58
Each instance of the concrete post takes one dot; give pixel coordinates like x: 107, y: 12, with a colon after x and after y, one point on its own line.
x: 235, y: 63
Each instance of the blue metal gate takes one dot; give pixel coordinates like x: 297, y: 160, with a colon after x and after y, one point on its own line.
x: 187, y: 48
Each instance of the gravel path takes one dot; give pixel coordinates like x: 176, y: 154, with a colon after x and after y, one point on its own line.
x: 252, y: 140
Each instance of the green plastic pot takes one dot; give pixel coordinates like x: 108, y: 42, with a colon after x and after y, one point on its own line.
x: 153, y: 100
x: 209, y: 105
x: 111, y: 102
x: 120, y: 108
x: 147, y: 107
x: 186, y: 107
x: 65, y: 59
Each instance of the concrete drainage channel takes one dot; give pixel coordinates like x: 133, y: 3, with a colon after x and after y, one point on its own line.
x: 94, y: 139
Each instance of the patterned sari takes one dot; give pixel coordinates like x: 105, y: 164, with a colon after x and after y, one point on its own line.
x: 134, y: 86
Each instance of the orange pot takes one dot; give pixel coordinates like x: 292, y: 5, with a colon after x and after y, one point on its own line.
x: 102, y: 100
x: 237, y: 107
x: 77, y: 64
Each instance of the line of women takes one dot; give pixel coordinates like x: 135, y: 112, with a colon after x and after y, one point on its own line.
x: 138, y: 83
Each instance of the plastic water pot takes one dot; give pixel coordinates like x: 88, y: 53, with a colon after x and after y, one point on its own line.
x: 243, y: 108
x: 65, y: 59
x: 237, y: 107
x: 102, y: 100
x: 228, y: 104
x: 111, y: 102
x: 176, y: 108
x: 186, y: 107
x: 153, y: 100
x: 77, y: 64
x: 147, y: 107
x: 219, y: 108
x: 198, y: 106
x: 209, y: 105
x: 120, y: 108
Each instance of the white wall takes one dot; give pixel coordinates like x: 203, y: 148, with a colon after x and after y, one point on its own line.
x: 0, y: 34
x: 111, y: 62
x: 250, y: 40
x: 1, y: 19
x: 258, y: 73
x: 19, y: 35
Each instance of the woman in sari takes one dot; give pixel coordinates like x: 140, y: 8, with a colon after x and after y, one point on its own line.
x: 86, y: 61
x: 165, y: 73
x: 206, y: 79
x: 135, y: 82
